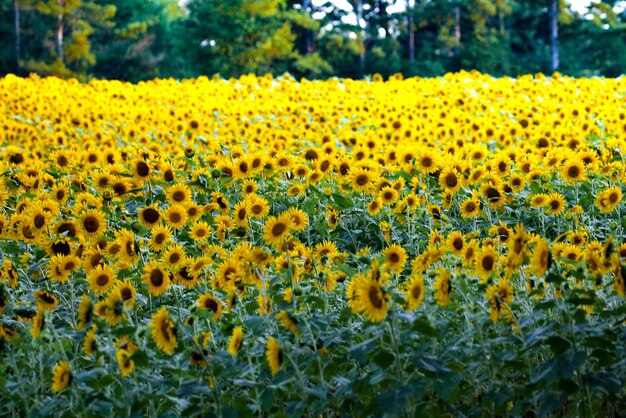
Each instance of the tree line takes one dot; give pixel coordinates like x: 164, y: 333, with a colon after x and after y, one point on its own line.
x: 142, y: 39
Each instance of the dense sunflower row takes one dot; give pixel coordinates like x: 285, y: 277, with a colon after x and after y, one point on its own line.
x: 173, y: 222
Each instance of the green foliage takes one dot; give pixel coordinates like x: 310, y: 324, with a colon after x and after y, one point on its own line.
x: 142, y: 39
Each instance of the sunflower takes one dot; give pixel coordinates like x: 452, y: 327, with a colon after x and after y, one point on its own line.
x: 150, y: 216
x: 93, y: 223
x: 227, y: 273
x: 274, y: 355
x: 619, y: 283
x: 194, y: 211
x: 325, y: 250
x: 277, y: 229
x: 485, y: 262
x: 174, y: 257
x: 621, y: 250
x: 374, y: 206
x: 249, y: 186
x: 140, y: 170
x: 388, y: 195
x: 443, y: 287
x: 89, y: 346
x: 111, y: 309
x: 258, y: 206
x: 517, y: 246
x: 426, y: 161
x: 178, y: 194
x: 593, y: 262
x: 235, y: 341
x: 156, y: 277
x: 101, y: 279
x: 127, y: 292
x: 241, y: 213
x: 220, y: 200
x: 38, y: 323
x: 55, y: 271
x: 46, y: 300
x: 61, y: 376
x: 609, y: 199
x: 499, y: 296
x: 470, y: 207
x: 184, y: 276
x: 242, y: 168
x: 362, y: 180
x: 541, y: 258
x: 555, y: 204
x: 175, y: 216
x: 66, y: 229
x: 456, y: 242
x: 369, y: 298
x: 539, y: 200
x: 299, y: 219
x: 39, y: 218
x: 163, y: 331
x: 573, y: 171
x: 85, y: 312
x: 395, y: 258
x: 200, y: 231
x: 414, y: 292
x: 493, y: 194
x: 260, y: 257
x: 160, y: 237
x: 449, y: 180
x: 125, y: 362
x: 288, y: 321
x: 129, y: 247
x: 211, y: 303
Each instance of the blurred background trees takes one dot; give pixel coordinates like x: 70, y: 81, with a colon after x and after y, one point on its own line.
x: 141, y: 39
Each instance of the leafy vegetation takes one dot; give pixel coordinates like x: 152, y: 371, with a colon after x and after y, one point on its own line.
x: 261, y: 246
x: 139, y: 40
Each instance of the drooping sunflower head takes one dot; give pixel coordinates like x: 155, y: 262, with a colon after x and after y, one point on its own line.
x: 61, y: 376
x: 414, y: 292
x: 274, y: 355
x: 235, y: 341
x: 164, y: 331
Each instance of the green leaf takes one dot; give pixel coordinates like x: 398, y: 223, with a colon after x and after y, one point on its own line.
x: 392, y: 401
x: 432, y: 366
x: 317, y: 392
x: 551, y: 404
x: 360, y: 351
x: 267, y: 399
x: 422, y: 325
x: 342, y: 202
x: 606, y: 383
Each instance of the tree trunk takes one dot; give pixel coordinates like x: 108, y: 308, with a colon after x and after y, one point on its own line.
x: 309, y: 44
x: 457, y: 29
x: 361, y: 36
x: 60, y: 31
x: 16, y: 17
x: 554, y: 35
x: 411, y: 25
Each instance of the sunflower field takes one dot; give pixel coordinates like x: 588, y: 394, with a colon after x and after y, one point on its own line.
x: 451, y: 246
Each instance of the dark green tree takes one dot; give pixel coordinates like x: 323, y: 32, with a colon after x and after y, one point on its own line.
x: 140, y: 44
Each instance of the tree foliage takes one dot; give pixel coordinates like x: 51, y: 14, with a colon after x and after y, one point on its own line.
x: 142, y: 39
